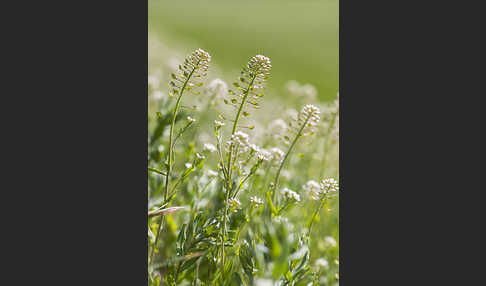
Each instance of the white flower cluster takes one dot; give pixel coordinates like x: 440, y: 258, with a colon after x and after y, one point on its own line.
x: 262, y: 154
x: 277, y: 155
x: 325, y: 187
x: 241, y: 140
x: 260, y: 65
x: 190, y: 119
x: 211, y: 174
x: 209, y: 148
x: 218, y: 123
x: 322, y: 263
x: 256, y: 201
x: 311, y: 188
x: 329, y: 186
x: 200, y: 59
x: 234, y: 204
x: 309, y: 115
x: 289, y: 194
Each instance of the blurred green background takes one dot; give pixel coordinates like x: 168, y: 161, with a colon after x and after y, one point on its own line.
x: 299, y: 36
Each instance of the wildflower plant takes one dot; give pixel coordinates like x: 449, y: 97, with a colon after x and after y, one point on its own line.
x: 227, y: 209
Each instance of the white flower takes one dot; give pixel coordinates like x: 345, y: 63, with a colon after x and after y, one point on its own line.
x: 241, y: 140
x: 330, y: 241
x: 278, y: 126
x: 313, y: 189
x: 218, y: 123
x: 188, y: 165
x: 218, y: 87
x: 256, y: 201
x: 289, y: 194
x: 260, y: 65
x: 309, y: 115
x: 200, y: 157
x: 190, y: 119
x: 329, y: 186
x: 277, y: 155
x: 263, y: 155
x: 234, y: 204
x: 322, y: 263
x: 200, y: 59
x: 209, y: 147
x: 212, y: 174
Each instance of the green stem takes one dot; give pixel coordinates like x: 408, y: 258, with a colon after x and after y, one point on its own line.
x: 169, y: 166
x: 229, y: 172
x: 321, y: 204
x: 275, y: 183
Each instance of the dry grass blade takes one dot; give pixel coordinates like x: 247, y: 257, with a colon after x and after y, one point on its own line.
x: 164, y: 211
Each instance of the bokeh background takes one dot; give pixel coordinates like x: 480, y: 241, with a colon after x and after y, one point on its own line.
x: 299, y: 36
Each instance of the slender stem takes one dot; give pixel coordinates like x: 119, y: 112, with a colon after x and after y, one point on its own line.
x: 314, y: 216
x: 245, y: 96
x: 275, y: 183
x: 169, y: 166
x: 229, y: 172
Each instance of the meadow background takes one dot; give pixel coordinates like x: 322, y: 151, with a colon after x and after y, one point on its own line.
x: 299, y: 36
x: 301, y: 39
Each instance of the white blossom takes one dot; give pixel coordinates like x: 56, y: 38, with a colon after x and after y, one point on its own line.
x: 322, y: 263
x: 289, y: 194
x: 211, y: 174
x: 309, y: 115
x: 256, y: 201
x: 209, y: 147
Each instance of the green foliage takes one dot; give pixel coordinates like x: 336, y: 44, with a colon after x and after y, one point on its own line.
x: 217, y: 212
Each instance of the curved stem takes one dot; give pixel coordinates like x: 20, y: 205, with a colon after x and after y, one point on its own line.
x: 275, y: 183
x: 169, y: 165
x: 314, y: 216
x: 229, y: 172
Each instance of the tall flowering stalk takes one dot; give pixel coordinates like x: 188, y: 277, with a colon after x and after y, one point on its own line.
x: 320, y: 193
x: 194, y: 68
x: 249, y: 86
x: 307, y: 121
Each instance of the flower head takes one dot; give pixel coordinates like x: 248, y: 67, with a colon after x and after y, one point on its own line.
x: 313, y: 189
x: 322, y: 263
x: 277, y: 155
x: 218, y: 123
x: 241, y: 140
x: 309, y: 115
x: 212, y: 174
x: 289, y: 194
x: 256, y: 201
x: 199, y: 59
x: 195, y: 67
x: 234, y: 204
x: 329, y: 186
x: 326, y: 187
x: 209, y: 147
